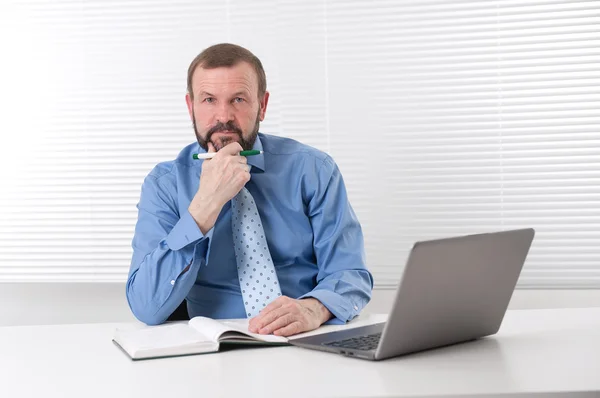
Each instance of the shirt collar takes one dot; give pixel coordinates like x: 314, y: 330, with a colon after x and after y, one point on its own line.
x: 257, y: 161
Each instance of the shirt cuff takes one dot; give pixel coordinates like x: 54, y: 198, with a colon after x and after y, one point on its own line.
x: 341, y: 308
x: 185, y: 232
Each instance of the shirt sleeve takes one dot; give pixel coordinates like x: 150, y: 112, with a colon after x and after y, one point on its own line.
x: 344, y: 284
x: 168, y: 250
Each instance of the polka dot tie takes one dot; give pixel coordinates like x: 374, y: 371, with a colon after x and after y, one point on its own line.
x: 258, y: 280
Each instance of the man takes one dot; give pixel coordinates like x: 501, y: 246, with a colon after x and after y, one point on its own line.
x: 270, y: 237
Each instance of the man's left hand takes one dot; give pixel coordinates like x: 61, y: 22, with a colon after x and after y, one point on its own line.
x: 287, y: 316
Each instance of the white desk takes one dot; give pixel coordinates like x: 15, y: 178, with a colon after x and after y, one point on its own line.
x: 536, y: 351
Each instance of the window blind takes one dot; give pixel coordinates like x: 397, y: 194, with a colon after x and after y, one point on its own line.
x: 446, y: 118
x: 477, y: 116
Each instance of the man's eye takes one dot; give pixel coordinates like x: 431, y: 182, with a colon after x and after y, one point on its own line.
x: 209, y: 100
x: 238, y: 100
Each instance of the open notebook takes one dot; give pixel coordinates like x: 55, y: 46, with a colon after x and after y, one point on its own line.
x: 198, y: 335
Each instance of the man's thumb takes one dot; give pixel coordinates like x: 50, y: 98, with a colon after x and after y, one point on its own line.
x: 210, y: 147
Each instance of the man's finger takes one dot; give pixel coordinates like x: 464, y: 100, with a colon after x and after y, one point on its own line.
x: 263, y: 320
x: 289, y: 330
x: 266, y: 315
x: 211, y: 147
x: 278, y: 302
x: 233, y: 148
x: 283, y: 319
x: 242, y: 166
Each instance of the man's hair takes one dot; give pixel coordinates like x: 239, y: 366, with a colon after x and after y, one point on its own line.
x: 227, y: 55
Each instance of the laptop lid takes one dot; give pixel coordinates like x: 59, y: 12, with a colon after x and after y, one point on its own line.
x: 454, y: 290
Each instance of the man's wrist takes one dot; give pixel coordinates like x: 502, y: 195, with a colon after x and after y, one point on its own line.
x: 205, y: 214
x: 323, y: 314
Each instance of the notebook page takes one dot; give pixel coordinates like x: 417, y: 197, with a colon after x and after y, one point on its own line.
x: 242, y: 325
x: 213, y: 329
x: 159, y: 337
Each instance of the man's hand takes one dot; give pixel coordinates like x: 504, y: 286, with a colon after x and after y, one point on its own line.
x: 221, y: 179
x: 286, y: 316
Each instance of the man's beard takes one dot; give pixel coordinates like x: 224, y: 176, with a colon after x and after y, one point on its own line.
x: 246, y: 144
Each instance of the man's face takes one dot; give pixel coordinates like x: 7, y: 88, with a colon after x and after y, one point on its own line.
x: 226, y: 106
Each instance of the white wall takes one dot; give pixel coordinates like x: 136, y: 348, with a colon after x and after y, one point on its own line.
x: 59, y: 303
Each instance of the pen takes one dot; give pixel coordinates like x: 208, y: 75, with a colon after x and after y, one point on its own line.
x: 210, y: 155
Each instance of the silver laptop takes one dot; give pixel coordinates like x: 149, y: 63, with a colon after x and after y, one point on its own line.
x: 452, y: 290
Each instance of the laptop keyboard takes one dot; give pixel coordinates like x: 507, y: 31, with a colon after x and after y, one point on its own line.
x: 368, y: 342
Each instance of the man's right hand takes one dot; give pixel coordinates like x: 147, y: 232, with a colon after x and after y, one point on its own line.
x: 221, y: 179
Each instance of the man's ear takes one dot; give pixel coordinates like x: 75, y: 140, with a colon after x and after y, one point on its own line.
x: 263, y: 106
x: 190, y: 105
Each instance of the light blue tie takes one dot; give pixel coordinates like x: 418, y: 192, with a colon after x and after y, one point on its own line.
x: 258, y: 279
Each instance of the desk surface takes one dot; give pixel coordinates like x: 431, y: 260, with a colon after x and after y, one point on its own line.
x: 536, y: 351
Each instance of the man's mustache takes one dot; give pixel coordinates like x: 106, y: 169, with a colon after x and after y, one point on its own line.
x: 221, y: 127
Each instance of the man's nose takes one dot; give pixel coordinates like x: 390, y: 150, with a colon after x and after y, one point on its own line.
x: 224, y: 113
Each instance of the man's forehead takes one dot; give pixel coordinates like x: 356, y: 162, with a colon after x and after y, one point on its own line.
x: 239, y: 75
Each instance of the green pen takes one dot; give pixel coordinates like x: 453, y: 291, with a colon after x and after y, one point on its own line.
x: 210, y: 155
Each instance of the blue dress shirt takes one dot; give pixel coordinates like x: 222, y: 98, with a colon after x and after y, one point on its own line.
x: 314, y: 237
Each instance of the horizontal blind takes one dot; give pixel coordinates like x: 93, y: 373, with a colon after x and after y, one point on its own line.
x: 445, y: 118
x: 94, y: 98
x: 475, y: 116
x: 105, y: 85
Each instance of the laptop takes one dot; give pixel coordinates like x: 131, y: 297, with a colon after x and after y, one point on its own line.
x: 452, y: 290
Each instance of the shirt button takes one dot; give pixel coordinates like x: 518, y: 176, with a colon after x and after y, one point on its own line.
x: 356, y: 308
x: 173, y: 282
